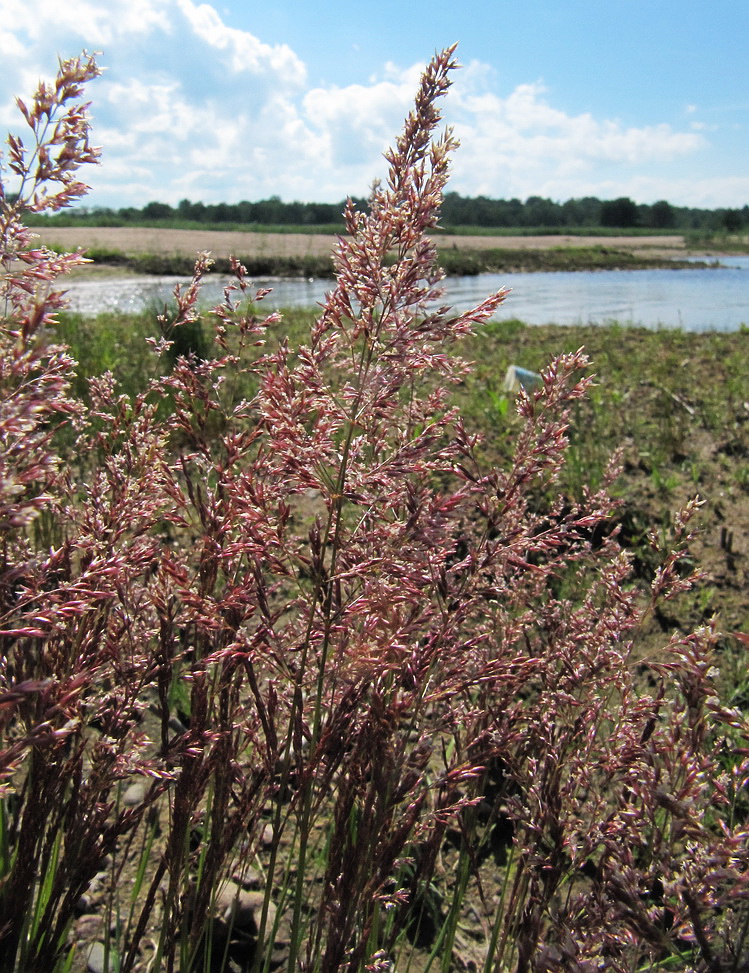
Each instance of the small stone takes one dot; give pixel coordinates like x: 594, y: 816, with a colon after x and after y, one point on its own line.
x: 88, y: 927
x: 84, y: 904
x: 242, y: 909
x: 248, y: 877
x: 279, y: 957
x: 134, y: 794
x: 97, y: 960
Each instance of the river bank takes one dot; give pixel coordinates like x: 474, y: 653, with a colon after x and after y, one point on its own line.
x: 144, y: 250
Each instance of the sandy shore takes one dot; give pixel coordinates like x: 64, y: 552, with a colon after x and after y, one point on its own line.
x: 132, y: 240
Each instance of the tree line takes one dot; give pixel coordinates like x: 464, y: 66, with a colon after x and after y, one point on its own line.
x: 457, y: 211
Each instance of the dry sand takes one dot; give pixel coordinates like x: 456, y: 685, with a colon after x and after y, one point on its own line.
x: 132, y: 240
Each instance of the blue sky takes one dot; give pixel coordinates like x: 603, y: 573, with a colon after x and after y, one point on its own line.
x: 239, y: 99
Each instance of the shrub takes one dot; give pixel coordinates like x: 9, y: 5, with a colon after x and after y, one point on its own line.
x: 330, y: 642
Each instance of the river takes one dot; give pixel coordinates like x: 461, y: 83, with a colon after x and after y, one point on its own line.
x: 703, y: 299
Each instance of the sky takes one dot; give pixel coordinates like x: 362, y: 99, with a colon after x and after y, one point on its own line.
x: 245, y: 99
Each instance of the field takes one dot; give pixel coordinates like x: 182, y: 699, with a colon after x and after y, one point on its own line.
x: 187, y: 243
x: 170, y: 251
x: 677, y: 405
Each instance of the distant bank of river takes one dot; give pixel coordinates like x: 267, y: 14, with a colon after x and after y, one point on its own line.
x: 704, y: 299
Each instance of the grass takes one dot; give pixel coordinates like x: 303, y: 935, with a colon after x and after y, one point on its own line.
x: 94, y: 220
x: 695, y: 238
x: 525, y: 260
x: 180, y: 265
x: 454, y: 261
x: 718, y: 240
x: 393, y: 657
x: 674, y: 400
x: 653, y: 387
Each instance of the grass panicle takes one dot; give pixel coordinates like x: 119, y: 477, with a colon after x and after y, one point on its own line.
x: 279, y: 642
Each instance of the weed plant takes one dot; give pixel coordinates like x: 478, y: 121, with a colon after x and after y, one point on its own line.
x: 334, y: 643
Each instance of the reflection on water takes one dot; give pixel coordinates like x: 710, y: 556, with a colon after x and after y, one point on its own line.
x: 713, y: 299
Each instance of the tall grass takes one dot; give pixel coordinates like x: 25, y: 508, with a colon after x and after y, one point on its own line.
x: 333, y: 643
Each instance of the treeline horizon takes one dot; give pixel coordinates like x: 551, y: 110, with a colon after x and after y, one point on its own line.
x: 457, y: 211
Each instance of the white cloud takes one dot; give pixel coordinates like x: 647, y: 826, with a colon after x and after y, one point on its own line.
x: 244, y: 126
x: 102, y: 24
x: 520, y: 143
x: 245, y: 52
x: 357, y: 122
x: 10, y: 46
x: 708, y: 191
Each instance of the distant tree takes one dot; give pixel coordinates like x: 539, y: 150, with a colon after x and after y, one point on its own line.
x: 457, y: 210
x: 732, y: 220
x: 581, y: 212
x: 294, y: 212
x: 323, y: 213
x: 542, y: 212
x: 661, y: 215
x: 158, y: 211
x: 621, y: 212
x: 224, y: 213
x: 244, y: 212
x: 269, y: 210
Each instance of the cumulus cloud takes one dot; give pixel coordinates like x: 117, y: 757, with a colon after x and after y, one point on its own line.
x: 357, y: 122
x: 520, y: 145
x: 246, y: 124
x: 245, y: 53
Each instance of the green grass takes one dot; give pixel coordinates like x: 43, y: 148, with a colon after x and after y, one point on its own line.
x: 718, y: 240
x: 597, y: 231
x: 655, y: 391
x: 180, y: 265
x: 454, y: 261
x: 525, y: 260
x: 72, y: 219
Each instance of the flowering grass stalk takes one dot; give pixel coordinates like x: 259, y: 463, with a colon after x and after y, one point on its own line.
x: 336, y: 648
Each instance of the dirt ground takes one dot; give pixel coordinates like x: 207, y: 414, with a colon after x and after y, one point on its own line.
x: 133, y: 240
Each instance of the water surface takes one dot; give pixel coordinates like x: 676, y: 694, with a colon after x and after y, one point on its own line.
x: 703, y: 299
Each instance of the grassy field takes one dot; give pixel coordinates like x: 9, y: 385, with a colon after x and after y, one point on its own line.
x: 676, y: 403
x: 676, y: 406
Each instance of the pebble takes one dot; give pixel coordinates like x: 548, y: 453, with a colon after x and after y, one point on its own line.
x: 134, y: 794
x: 242, y: 909
x: 89, y: 927
x: 95, y: 961
x: 248, y: 877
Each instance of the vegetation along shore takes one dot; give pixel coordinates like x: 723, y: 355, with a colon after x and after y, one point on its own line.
x: 164, y: 251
